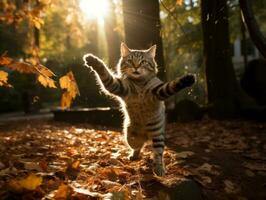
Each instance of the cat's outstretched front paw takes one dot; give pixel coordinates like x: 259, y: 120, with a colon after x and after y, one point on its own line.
x: 187, y: 80
x: 92, y: 61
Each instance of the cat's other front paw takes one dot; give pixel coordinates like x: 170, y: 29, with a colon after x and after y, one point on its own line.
x: 187, y: 80
x: 91, y: 60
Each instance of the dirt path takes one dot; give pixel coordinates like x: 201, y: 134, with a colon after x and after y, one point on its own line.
x: 48, y: 160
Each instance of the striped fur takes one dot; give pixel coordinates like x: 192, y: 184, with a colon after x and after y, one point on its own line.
x: 142, y: 95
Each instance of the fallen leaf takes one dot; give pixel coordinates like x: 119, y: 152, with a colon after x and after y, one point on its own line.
x: 64, y: 192
x: 184, y: 154
x: 32, y: 166
x: 211, y: 169
x: 2, y: 166
x: 29, y: 183
x: 230, y: 187
x: 255, y: 166
x: 76, y: 164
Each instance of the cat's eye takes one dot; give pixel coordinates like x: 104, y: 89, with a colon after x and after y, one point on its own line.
x: 143, y: 62
x: 129, y: 63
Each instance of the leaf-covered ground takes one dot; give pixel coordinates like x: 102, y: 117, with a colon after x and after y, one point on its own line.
x: 51, y: 160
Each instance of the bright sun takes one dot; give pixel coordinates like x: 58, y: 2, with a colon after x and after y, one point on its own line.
x: 94, y: 9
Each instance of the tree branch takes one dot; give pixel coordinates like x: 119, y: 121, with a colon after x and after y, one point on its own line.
x: 252, y: 26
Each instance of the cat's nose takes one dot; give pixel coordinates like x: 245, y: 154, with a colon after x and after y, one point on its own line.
x: 136, y: 66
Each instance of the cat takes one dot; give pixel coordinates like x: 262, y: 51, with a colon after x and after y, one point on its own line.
x: 142, y: 97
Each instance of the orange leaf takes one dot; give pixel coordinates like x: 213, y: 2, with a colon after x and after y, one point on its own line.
x: 29, y: 183
x: 45, y: 71
x: 68, y: 83
x: 4, y: 60
x: 63, y: 192
x: 179, y: 2
x: 66, y: 100
x: 3, y: 79
x: 76, y: 164
x: 46, y: 81
x: 23, y: 67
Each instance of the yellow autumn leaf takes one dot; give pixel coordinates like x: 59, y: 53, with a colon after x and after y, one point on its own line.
x: 179, y: 2
x: 64, y: 82
x: 3, y: 79
x: 69, y: 84
x: 38, y: 22
x: 46, y: 81
x: 45, y: 71
x: 66, y: 100
x: 29, y: 183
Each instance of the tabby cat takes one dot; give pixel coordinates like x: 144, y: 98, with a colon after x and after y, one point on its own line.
x: 142, y: 97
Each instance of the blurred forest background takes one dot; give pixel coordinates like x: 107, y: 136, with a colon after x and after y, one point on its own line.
x: 56, y: 34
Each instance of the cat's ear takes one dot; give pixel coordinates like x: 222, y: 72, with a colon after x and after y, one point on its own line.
x: 152, y: 51
x: 124, y: 50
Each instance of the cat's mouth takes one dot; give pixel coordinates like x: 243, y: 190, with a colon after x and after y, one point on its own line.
x: 136, y: 73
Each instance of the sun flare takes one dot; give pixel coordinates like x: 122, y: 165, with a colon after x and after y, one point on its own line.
x: 94, y: 9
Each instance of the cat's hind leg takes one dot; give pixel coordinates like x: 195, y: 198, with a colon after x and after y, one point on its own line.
x: 135, y: 142
x: 158, y: 149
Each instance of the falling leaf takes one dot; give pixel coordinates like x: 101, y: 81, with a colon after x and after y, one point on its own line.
x: 68, y: 83
x: 66, y: 100
x: 3, y: 79
x: 29, y: 183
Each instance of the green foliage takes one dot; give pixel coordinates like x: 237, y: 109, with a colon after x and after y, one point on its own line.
x: 182, y: 41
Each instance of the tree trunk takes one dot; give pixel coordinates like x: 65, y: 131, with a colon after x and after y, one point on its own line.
x: 220, y: 75
x: 244, y: 43
x: 252, y: 26
x: 112, y: 37
x: 142, y: 27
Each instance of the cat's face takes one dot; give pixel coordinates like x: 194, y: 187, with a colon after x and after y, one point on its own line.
x: 138, y: 64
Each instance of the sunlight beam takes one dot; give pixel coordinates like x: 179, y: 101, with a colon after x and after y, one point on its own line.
x: 94, y: 9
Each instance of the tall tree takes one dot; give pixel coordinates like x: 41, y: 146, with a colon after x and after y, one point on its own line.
x: 142, y: 27
x: 112, y: 37
x: 221, y: 80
